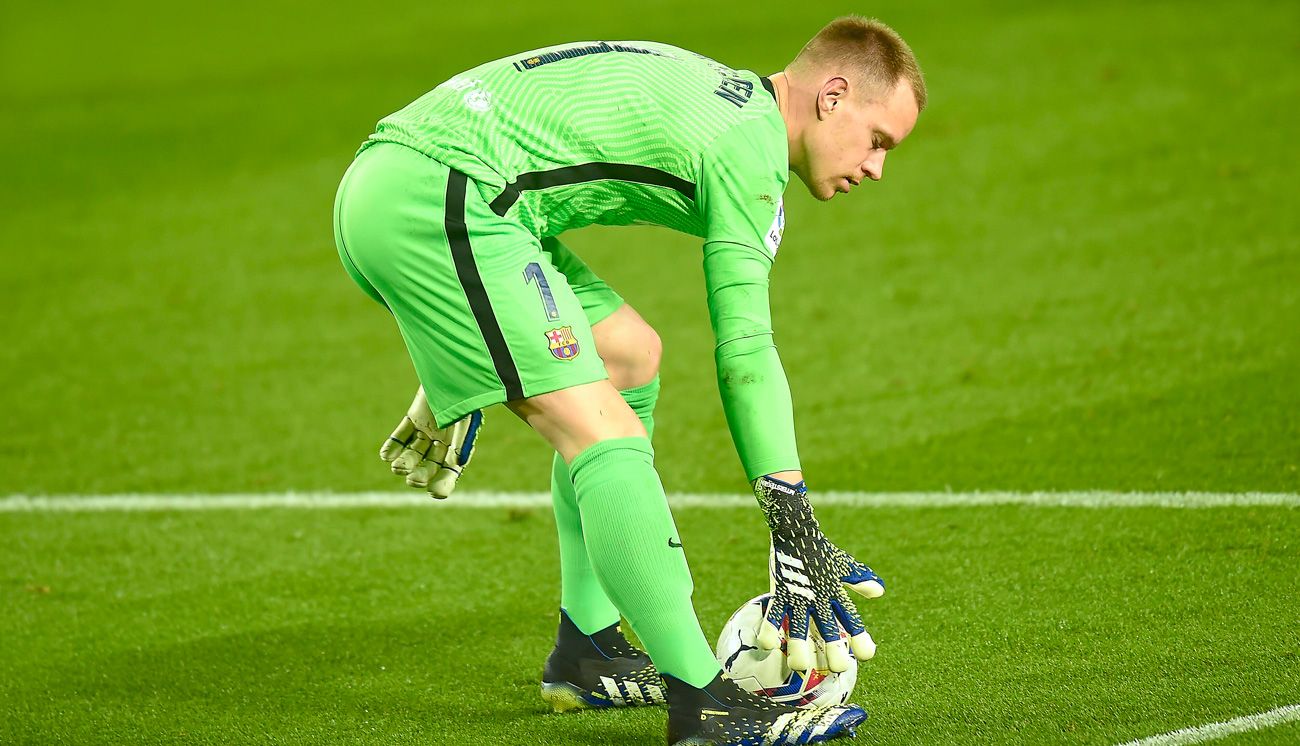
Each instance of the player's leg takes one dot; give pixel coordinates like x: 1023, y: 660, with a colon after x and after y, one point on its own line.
x: 631, y: 540
x: 630, y: 535
x: 593, y: 664
x: 630, y: 349
x: 627, y: 528
x: 487, y: 318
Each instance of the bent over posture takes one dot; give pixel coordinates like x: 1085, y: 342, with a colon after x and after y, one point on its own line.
x: 449, y: 217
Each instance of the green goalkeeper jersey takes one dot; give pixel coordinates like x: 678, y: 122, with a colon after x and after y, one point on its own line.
x: 611, y: 133
x: 615, y: 133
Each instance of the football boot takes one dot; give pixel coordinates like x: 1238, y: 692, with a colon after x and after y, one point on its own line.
x: 723, y: 714
x: 598, y: 670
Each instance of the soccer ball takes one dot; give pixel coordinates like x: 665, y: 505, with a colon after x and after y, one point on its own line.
x: 742, y: 661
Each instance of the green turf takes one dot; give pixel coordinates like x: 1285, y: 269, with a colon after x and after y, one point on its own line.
x: 1081, y: 272
x: 1002, y: 625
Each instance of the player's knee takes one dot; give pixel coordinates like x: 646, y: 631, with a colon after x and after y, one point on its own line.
x: 637, y: 360
x: 646, y: 365
x: 630, y: 347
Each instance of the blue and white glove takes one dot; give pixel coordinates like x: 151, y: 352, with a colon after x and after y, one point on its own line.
x: 428, y: 456
x: 809, y: 575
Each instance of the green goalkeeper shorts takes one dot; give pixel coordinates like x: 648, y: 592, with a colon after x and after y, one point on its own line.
x: 489, y: 312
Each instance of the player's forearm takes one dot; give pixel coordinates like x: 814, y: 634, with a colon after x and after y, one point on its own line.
x: 759, y: 410
x: 755, y: 393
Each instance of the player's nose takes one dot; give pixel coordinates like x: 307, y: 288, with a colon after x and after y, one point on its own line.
x: 874, y: 166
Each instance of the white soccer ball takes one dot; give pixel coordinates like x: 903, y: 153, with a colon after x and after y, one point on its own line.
x: 744, y: 664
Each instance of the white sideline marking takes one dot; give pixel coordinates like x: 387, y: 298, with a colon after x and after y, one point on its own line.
x: 1214, y: 731
x: 413, y: 499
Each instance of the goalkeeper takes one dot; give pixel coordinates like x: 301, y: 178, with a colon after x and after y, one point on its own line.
x: 449, y: 217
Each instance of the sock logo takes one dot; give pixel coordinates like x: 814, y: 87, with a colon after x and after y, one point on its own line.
x: 671, y: 544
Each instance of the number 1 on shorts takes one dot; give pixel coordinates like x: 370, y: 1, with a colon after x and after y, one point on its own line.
x: 534, y: 272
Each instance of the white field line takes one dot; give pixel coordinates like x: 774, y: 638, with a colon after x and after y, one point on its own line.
x: 472, y: 500
x: 1215, y: 731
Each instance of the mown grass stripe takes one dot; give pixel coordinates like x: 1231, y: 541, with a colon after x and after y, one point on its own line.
x: 1215, y: 731
x: 483, y: 500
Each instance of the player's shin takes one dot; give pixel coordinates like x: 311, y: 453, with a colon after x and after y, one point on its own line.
x: 637, y: 555
x: 581, y: 595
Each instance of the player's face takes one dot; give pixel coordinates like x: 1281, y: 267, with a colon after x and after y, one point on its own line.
x: 852, y: 135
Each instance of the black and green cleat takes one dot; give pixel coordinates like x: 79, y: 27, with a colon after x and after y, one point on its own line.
x: 598, y: 670
x: 723, y: 714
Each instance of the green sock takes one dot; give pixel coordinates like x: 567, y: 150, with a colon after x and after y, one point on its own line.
x: 580, y: 593
x: 636, y: 554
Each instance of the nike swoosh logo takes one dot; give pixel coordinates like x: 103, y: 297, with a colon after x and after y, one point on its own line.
x: 671, y: 544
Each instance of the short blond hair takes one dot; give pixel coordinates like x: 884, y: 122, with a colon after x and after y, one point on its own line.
x: 864, y: 46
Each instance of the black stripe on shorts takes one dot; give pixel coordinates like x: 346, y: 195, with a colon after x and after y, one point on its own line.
x: 467, y: 272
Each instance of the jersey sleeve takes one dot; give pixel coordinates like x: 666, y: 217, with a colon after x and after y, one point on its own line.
x: 742, y: 179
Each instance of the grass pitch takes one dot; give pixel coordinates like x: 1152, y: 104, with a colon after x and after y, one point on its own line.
x: 1082, y: 271
x: 1001, y: 624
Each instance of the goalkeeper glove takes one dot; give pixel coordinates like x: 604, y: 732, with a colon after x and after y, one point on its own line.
x: 808, y: 578
x: 427, y: 455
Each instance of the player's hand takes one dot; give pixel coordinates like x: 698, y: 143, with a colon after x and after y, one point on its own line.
x: 428, y: 456
x: 809, y: 575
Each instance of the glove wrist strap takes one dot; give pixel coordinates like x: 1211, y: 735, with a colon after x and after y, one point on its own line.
x: 786, y: 507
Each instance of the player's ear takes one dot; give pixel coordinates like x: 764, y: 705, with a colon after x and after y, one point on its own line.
x: 831, y: 96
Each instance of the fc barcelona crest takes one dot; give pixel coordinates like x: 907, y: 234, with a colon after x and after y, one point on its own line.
x: 563, y: 345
